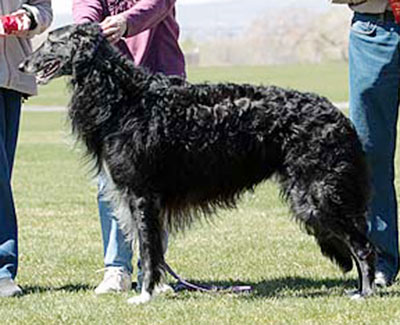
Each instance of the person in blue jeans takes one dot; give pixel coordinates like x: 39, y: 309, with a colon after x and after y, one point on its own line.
x: 374, y: 76
x: 14, y: 48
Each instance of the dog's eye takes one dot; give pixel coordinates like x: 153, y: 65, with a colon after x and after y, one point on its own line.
x: 51, y: 38
x: 54, y: 37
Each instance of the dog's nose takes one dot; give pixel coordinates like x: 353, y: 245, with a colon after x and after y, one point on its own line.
x: 21, y: 67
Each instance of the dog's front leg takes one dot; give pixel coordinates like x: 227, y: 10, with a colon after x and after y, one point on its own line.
x: 146, y: 211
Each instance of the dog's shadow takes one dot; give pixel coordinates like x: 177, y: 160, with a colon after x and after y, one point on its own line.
x: 273, y: 288
x: 71, y: 288
x: 293, y: 287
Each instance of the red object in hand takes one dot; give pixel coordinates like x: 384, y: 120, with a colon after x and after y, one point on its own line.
x: 10, y: 23
x: 395, y: 4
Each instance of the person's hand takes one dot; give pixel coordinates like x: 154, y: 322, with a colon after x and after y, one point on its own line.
x: 22, y: 23
x: 114, y: 28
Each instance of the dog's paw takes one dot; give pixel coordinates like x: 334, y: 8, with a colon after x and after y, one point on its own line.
x: 143, y: 298
x: 357, y: 295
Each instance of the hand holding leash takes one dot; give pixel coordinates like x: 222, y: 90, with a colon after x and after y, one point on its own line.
x: 114, y: 28
x: 16, y: 24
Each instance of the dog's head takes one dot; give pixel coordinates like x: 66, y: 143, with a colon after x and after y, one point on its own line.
x: 60, y: 54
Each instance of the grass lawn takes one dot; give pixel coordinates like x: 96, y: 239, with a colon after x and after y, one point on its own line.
x: 328, y: 79
x: 257, y: 244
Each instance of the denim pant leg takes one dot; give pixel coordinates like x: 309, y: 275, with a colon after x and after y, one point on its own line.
x: 10, y: 108
x: 117, y: 251
x: 374, y: 99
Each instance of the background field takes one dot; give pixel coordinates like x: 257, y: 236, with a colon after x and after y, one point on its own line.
x: 256, y: 244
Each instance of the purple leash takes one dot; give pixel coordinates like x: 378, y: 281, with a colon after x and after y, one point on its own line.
x: 183, y: 284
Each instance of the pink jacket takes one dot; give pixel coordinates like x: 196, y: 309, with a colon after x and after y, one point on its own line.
x: 152, y: 36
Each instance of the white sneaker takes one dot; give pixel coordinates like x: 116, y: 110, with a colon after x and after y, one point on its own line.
x: 8, y: 288
x: 382, y: 280
x: 116, y: 279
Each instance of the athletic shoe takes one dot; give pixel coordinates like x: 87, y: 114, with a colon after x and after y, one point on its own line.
x: 8, y: 288
x: 383, y: 280
x: 116, y: 279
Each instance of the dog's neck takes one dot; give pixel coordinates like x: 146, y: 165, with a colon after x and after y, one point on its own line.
x: 107, y: 63
x: 101, y: 87
x: 106, y: 73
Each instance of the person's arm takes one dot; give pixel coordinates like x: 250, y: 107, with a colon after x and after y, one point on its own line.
x: 143, y: 15
x: 84, y: 11
x: 146, y: 14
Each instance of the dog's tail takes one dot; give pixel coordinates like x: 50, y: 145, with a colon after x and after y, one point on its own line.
x: 336, y: 250
x: 331, y: 245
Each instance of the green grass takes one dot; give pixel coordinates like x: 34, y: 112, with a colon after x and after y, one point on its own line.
x: 257, y: 244
x: 54, y: 94
x: 328, y: 79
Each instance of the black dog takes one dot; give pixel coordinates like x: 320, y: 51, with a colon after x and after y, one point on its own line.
x: 174, y: 150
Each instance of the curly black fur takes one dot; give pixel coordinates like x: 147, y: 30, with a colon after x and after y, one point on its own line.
x: 172, y: 148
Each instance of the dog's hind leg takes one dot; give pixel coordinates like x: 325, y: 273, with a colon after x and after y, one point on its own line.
x: 364, y: 257
x: 340, y: 238
x: 347, y: 244
x: 146, y: 212
x: 354, y: 244
x: 346, y: 241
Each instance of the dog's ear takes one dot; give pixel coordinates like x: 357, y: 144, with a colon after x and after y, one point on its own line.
x: 86, y: 39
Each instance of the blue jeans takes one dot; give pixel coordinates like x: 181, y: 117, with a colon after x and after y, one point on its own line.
x: 374, y: 69
x: 10, y: 109
x: 117, y: 250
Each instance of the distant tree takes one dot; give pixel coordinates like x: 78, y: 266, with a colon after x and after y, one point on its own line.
x: 284, y: 36
x: 301, y: 35
x: 330, y: 33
